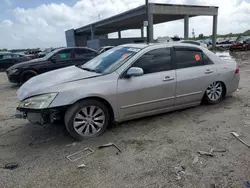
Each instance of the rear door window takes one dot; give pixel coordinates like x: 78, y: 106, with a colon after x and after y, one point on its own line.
x: 64, y: 55
x: 7, y: 56
x: 187, y: 58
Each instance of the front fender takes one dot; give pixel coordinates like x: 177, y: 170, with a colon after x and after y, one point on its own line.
x: 75, y: 91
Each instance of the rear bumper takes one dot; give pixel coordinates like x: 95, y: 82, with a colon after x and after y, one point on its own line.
x: 234, y: 84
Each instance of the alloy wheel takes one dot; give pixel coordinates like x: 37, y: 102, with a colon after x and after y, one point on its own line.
x: 214, y: 91
x: 89, y: 120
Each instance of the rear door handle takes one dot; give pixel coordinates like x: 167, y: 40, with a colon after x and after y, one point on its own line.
x: 168, y: 78
x: 208, y: 71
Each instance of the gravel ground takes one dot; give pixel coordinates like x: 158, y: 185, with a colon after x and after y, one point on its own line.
x: 153, y: 148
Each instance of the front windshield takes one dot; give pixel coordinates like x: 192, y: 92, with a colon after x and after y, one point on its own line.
x: 110, y: 60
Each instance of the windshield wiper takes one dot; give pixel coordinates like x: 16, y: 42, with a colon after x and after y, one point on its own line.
x: 88, y: 69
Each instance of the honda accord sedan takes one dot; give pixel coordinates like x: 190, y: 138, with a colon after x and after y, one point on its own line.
x: 127, y: 82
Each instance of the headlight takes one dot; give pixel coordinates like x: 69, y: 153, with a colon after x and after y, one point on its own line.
x: 12, y: 71
x: 38, y: 102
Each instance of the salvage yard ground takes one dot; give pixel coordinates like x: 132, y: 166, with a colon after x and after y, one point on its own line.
x: 157, y: 152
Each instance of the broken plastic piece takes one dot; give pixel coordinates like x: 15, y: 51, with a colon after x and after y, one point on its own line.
x: 108, y: 145
x: 11, y: 166
x: 206, y: 153
x: 196, y: 159
x: 246, y: 183
x: 81, y: 166
x: 238, y: 137
x: 73, y: 159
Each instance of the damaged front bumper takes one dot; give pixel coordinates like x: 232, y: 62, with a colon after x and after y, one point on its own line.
x: 40, y: 117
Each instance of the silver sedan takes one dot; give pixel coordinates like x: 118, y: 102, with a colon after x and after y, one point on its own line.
x: 124, y: 83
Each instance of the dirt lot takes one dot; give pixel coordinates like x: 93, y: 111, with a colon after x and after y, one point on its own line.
x: 152, y: 147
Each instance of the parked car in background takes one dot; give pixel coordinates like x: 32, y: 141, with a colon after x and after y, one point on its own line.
x: 56, y: 59
x: 242, y: 43
x: 127, y: 82
x: 105, y: 48
x: 194, y: 43
x: 8, y: 59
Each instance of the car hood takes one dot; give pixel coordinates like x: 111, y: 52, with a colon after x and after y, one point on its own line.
x: 38, y: 84
x: 26, y: 63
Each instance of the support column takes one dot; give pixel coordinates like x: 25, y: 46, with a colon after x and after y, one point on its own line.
x: 215, y: 19
x: 186, y: 27
x: 151, y: 27
x: 92, y: 30
x: 119, y: 34
x: 142, y: 32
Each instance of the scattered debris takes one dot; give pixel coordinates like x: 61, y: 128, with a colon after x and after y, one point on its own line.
x: 219, y: 150
x: 73, y: 144
x: 73, y: 157
x: 196, y: 159
x: 211, y: 152
x: 11, y: 166
x: 179, y: 171
x: 81, y: 166
x: 201, y: 121
x: 238, y: 137
x: 246, y: 183
x: 108, y: 145
x: 206, y: 153
x: 39, y: 142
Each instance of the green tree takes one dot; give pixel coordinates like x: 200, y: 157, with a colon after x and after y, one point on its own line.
x: 201, y: 36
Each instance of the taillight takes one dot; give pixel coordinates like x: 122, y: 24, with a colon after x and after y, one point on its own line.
x: 237, y: 70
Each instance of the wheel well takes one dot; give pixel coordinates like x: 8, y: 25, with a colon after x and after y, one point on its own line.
x: 104, y: 102
x: 225, y: 88
x: 27, y: 72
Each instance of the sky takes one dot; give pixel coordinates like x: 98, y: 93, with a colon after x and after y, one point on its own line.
x: 42, y: 23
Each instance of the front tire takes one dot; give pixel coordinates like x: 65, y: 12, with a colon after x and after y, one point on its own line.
x: 87, y: 119
x: 214, y: 93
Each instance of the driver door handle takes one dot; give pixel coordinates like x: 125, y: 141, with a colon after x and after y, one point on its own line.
x: 208, y: 71
x: 168, y: 78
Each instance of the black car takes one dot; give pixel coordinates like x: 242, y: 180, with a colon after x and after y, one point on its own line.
x: 8, y: 59
x: 56, y: 59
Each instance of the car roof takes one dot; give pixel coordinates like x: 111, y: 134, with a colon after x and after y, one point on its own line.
x: 169, y: 44
x: 183, y: 41
x: 81, y: 47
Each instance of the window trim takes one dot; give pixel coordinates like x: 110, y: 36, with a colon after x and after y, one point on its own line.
x: 208, y: 58
x: 123, y: 74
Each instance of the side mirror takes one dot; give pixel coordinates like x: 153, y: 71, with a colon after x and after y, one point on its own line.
x: 134, y: 71
x: 53, y: 59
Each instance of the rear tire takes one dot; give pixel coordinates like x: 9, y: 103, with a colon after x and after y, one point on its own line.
x: 26, y: 75
x: 214, y: 93
x: 87, y: 119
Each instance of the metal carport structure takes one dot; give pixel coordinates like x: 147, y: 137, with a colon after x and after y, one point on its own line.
x: 134, y: 18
